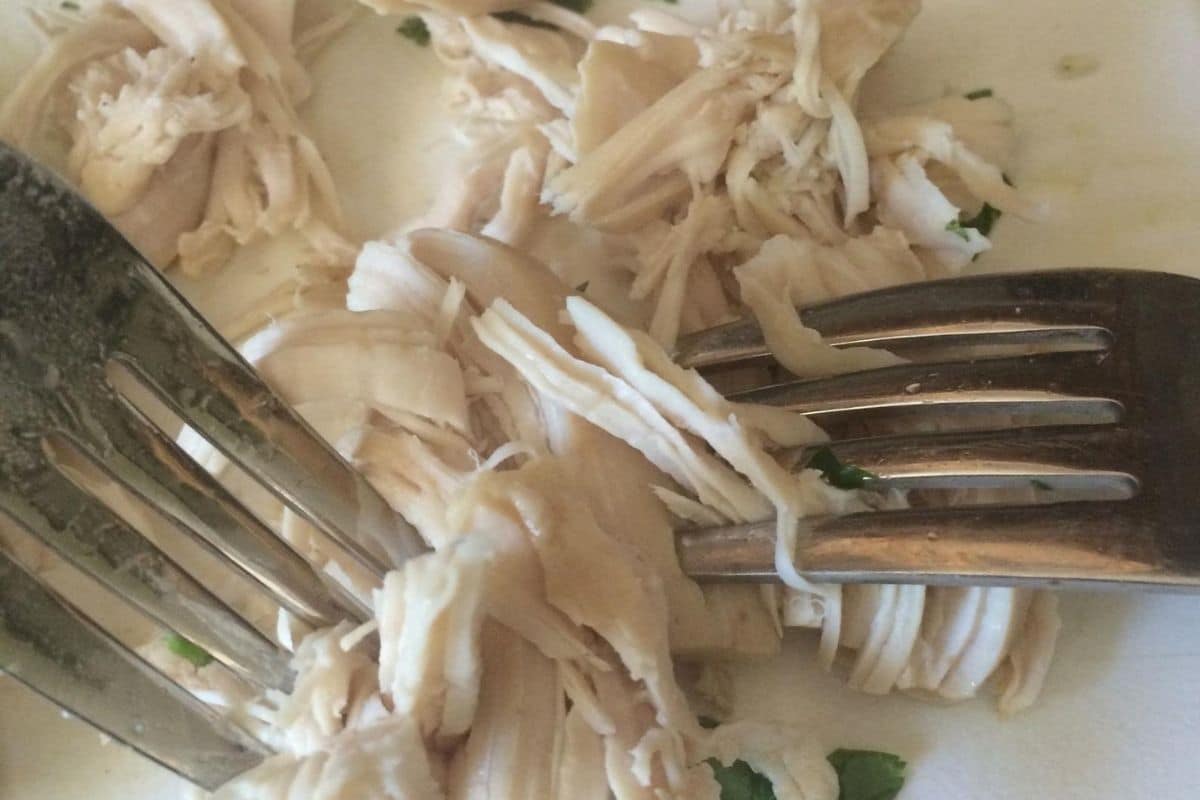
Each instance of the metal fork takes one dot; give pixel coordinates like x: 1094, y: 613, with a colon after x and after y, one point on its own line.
x: 76, y: 299
x: 1082, y: 380
x: 1111, y: 372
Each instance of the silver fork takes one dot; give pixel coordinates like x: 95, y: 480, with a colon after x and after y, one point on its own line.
x: 76, y: 299
x: 1110, y: 371
x: 1081, y: 380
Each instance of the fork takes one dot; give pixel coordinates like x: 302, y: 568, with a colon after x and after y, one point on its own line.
x: 1081, y: 381
x: 76, y: 301
x: 1102, y: 357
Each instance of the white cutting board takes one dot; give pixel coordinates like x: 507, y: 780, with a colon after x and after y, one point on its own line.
x: 1117, y: 153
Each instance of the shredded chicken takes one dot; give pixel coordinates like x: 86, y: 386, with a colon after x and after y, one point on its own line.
x: 182, y: 127
x: 500, y: 370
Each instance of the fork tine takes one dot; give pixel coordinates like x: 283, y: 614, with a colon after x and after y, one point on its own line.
x: 95, y: 540
x: 1075, y: 386
x: 965, y: 546
x: 248, y: 422
x: 1094, y: 457
x: 741, y: 343
x: 175, y: 354
x: 1064, y: 309
x: 1069, y: 296
x: 51, y: 648
x: 158, y: 471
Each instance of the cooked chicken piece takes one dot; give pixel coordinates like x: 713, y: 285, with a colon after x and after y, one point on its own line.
x: 333, y: 686
x: 384, y: 760
x: 512, y: 751
x: 790, y: 272
x: 430, y: 614
x: 187, y: 106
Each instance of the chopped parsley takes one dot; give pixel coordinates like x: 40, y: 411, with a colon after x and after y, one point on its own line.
x: 1038, y: 484
x: 517, y: 18
x: 581, y: 288
x: 862, y: 775
x: 415, y: 30
x: 958, y: 229
x: 68, y: 5
x: 740, y: 782
x: 867, y: 774
x: 708, y: 723
x: 978, y: 94
x: 984, y: 220
x: 837, y: 474
x: 186, y: 649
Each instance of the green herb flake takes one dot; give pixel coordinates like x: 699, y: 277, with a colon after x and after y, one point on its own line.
x: 739, y: 782
x: 958, y: 229
x: 867, y: 774
x: 708, y: 723
x: 984, y: 220
x: 837, y: 474
x: 862, y: 775
x: 1037, y: 484
x: 578, y: 6
x: 188, y: 650
x: 978, y: 94
x: 517, y: 18
x: 415, y: 30
x: 68, y: 5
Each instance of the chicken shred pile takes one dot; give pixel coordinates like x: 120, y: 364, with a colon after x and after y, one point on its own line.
x: 500, y: 370
x: 182, y: 126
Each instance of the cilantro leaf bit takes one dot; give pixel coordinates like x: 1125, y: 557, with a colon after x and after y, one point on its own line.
x: 517, y: 18
x: 740, y: 782
x: 984, y: 220
x: 837, y: 474
x: 188, y: 650
x: 69, y: 5
x: 1039, y: 484
x: 708, y: 723
x: 958, y: 229
x: 867, y: 774
x: 415, y: 30
x: 978, y: 94
x: 578, y: 6
x: 862, y: 775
